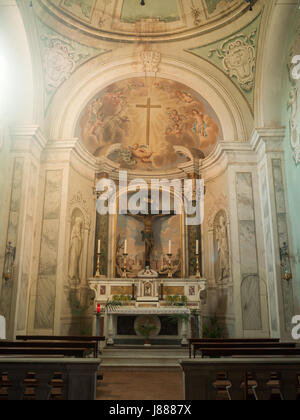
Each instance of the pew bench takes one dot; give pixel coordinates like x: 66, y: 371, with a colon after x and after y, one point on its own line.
x: 234, y: 341
x: 241, y: 378
x: 90, y: 346
x: 97, y: 339
x: 224, y: 346
x: 42, y: 351
x: 48, y: 379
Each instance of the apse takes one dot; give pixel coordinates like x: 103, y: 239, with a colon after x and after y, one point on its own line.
x: 149, y: 124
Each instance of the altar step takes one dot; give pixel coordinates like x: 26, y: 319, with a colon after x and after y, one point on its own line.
x: 140, y: 357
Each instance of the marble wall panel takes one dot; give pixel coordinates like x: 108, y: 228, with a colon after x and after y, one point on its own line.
x: 269, y: 253
x: 250, y: 295
x: 27, y: 250
x: 46, y: 284
x: 12, y: 232
x: 250, y: 290
x: 283, y: 237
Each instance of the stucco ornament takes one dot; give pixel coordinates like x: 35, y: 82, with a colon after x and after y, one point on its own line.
x: 58, y: 63
x: 150, y: 61
x: 238, y: 55
x: 294, y: 124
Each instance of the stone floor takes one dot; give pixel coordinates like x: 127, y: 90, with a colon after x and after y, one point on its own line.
x: 141, y: 385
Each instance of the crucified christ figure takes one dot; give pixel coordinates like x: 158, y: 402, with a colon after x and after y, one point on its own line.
x: 147, y: 233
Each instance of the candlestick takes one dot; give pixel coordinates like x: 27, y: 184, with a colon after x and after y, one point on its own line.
x: 98, y: 271
x: 170, y: 273
x: 198, y: 274
x: 124, y: 274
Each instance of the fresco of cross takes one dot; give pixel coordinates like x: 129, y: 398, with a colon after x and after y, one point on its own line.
x: 148, y: 107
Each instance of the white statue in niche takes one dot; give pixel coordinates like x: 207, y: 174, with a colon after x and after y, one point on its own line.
x: 76, y: 250
x: 221, y: 236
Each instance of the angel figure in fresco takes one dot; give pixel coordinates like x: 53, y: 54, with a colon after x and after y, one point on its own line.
x: 200, y: 125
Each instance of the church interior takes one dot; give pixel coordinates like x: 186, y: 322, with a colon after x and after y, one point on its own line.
x: 109, y: 109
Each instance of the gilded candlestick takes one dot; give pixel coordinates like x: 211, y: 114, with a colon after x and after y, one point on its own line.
x: 124, y: 275
x: 198, y: 274
x: 170, y: 273
x: 98, y: 271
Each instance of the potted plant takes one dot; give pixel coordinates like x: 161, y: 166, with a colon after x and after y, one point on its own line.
x: 146, y: 331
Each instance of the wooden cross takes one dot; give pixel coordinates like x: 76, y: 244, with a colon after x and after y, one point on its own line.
x: 148, y: 107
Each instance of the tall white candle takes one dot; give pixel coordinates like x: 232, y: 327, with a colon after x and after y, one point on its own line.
x: 99, y: 246
x: 197, y: 247
x: 170, y: 247
x: 125, y: 247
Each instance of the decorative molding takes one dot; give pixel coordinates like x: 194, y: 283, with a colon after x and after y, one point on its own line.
x: 61, y: 57
x: 238, y: 56
x: 78, y: 201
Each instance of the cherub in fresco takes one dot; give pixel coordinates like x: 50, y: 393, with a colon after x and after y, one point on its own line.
x: 200, y: 125
x: 177, y: 131
x: 185, y: 97
x: 142, y: 153
x: 174, y: 116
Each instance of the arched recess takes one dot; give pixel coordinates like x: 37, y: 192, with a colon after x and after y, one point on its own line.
x: 230, y: 106
x: 272, y: 62
x: 14, y: 47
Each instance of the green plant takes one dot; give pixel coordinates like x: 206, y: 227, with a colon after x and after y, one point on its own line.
x: 76, y: 308
x: 213, y: 329
x: 146, y: 330
x: 177, y: 300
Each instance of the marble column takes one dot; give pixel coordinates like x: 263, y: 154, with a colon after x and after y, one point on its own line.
x: 269, y: 146
x: 21, y: 189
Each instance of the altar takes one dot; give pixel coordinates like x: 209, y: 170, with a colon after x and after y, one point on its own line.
x: 166, y: 305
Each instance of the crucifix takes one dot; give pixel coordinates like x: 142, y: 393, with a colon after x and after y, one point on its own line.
x: 148, y: 107
x: 147, y: 233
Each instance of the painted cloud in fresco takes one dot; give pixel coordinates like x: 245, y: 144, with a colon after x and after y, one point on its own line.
x: 181, y: 125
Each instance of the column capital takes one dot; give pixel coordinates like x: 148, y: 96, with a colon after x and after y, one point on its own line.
x: 26, y: 138
x: 268, y: 140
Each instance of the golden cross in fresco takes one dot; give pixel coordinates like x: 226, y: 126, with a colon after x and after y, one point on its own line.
x: 148, y: 107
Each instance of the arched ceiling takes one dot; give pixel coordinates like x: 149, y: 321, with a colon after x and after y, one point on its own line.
x: 158, y: 20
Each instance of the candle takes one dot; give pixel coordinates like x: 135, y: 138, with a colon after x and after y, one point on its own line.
x: 98, y: 308
x: 99, y: 246
x: 197, y: 247
x: 125, y: 247
x: 170, y: 247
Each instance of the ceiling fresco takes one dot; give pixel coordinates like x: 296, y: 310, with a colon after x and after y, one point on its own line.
x: 123, y: 19
x: 149, y: 123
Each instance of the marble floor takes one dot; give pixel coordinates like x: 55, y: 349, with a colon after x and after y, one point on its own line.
x: 141, y: 385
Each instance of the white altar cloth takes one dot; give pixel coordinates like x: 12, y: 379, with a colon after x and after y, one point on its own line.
x: 2, y: 328
x: 127, y: 310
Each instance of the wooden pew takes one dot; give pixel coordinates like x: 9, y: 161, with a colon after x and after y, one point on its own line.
x: 250, y: 352
x: 97, y: 339
x: 201, y: 377
x: 87, y: 345
x: 205, y: 346
x: 195, y: 341
x: 42, y: 351
x: 36, y: 378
